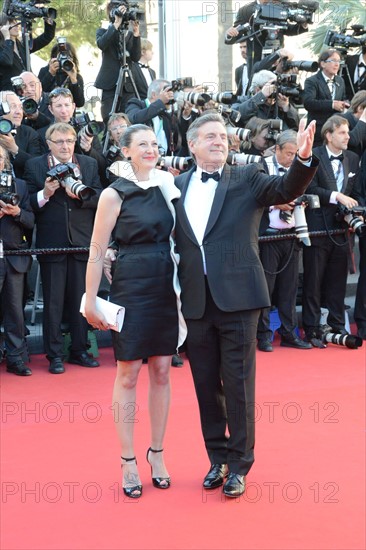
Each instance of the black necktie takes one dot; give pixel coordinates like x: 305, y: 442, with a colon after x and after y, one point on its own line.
x: 206, y: 176
x: 340, y: 158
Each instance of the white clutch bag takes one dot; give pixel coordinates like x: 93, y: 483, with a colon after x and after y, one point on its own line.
x: 113, y: 313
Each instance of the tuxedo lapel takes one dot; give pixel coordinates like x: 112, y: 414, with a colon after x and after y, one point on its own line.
x: 345, y: 173
x: 219, y: 198
x: 327, y: 165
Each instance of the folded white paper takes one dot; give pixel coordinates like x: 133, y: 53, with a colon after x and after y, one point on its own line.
x: 113, y: 313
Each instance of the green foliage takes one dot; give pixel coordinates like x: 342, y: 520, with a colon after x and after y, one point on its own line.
x: 77, y: 20
x: 334, y: 15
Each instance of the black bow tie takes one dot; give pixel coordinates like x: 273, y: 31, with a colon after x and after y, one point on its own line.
x: 143, y: 66
x: 340, y: 158
x: 362, y: 65
x: 280, y: 169
x: 206, y: 176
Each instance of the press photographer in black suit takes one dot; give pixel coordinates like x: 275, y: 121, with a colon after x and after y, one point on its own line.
x: 110, y: 42
x: 15, y: 220
x: 326, y: 260
x: 63, y: 220
x: 32, y: 89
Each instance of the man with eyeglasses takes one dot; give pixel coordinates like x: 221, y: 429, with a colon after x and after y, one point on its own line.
x: 22, y: 142
x: 62, y: 108
x: 325, y: 92
x: 32, y: 89
x: 63, y: 220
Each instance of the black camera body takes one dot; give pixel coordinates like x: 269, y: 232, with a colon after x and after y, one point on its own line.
x: 68, y: 176
x: 281, y: 12
x: 7, y: 188
x: 180, y: 83
x: 29, y: 105
x: 344, y: 41
x: 65, y: 61
x: 132, y: 13
x: 287, y: 85
x: 274, y: 130
x: 85, y: 122
x: 113, y: 153
x: 29, y: 10
x: 230, y: 116
x: 352, y: 217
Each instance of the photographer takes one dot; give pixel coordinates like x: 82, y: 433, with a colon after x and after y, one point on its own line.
x: 110, y: 41
x: 156, y: 111
x: 63, y: 220
x: 22, y: 142
x: 246, y: 14
x: 325, y: 93
x: 15, y: 220
x: 266, y: 102
x: 326, y: 260
x: 63, y: 71
x: 32, y: 89
x: 12, y: 50
x: 280, y: 258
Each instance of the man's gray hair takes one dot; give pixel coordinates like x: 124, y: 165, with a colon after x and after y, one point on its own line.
x: 192, y: 132
x: 260, y: 79
x: 288, y: 136
x: 156, y: 86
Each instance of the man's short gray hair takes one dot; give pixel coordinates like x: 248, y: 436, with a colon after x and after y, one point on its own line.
x: 192, y: 132
x: 156, y: 86
x: 288, y: 136
x: 260, y: 79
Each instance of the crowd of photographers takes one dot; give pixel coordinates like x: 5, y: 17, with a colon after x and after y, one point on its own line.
x: 66, y: 158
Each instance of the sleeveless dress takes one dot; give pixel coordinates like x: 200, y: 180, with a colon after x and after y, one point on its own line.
x: 143, y: 274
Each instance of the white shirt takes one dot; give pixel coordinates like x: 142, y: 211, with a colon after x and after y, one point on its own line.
x: 337, y: 169
x: 198, y: 204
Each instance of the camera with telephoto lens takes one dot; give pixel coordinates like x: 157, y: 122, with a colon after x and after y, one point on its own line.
x: 242, y: 133
x: 180, y: 163
x: 6, y: 127
x: 230, y: 116
x: 273, y: 131
x: 85, y: 122
x: 352, y: 217
x: 227, y: 98
x: 344, y: 41
x: 280, y: 13
x: 28, y: 10
x: 7, y: 188
x: 308, y: 66
x: 63, y: 57
x: 29, y: 105
x: 286, y: 85
x: 196, y: 98
x: 301, y: 227
x: 242, y: 159
x: 68, y: 176
x: 180, y: 83
x: 132, y: 13
x: 348, y: 340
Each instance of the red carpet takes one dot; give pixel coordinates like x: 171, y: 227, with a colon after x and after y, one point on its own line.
x: 60, y: 472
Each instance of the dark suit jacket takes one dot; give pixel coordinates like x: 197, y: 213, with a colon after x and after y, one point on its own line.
x: 324, y: 183
x: 49, y: 82
x: 29, y: 145
x: 234, y: 271
x: 108, y: 42
x: 11, y: 64
x: 12, y: 229
x: 348, y: 75
x: 62, y: 222
x: 238, y: 80
x: 318, y: 100
x: 138, y: 113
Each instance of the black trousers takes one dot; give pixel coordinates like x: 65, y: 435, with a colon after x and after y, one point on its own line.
x: 63, y: 281
x: 360, y: 304
x: 12, y: 291
x: 325, y: 269
x: 221, y: 349
x: 275, y: 255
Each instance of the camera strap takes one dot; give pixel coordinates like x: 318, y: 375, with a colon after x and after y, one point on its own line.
x: 51, y: 161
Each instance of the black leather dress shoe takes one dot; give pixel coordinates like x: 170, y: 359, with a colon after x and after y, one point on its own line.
x: 215, y: 476
x: 83, y: 359
x: 265, y: 345
x: 294, y: 342
x: 234, y: 485
x: 19, y: 368
x: 56, y: 366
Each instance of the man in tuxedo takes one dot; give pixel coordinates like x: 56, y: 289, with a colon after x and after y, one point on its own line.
x: 246, y: 14
x: 280, y: 258
x: 156, y: 111
x: 224, y: 287
x: 22, y: 143
x: 354, y: 73
x: 241, y: 72
x: 141, y: 71
x: 325, y: 261
x: 63, y: 220
x: 15, y: 220
x: 110, y: 42
x: 325, y: 93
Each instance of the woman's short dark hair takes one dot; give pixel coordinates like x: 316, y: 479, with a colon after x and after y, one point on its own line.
x: 126, y: 139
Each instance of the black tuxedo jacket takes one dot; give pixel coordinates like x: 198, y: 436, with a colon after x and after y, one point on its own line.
x: 351, y: 64
x: 29, y: 144
x: 62, y: 222
x: 234, y: 271
x: 318, y: 99
x: 13, y: 229
x: 11, y: 64
x: 108, y: 42
x: 238, y: 80
x: 324, y: 183
x: 140, y: 81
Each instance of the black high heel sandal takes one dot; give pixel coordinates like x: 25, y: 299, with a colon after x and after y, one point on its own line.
x: 158, y: 482
x: 132, y: 491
